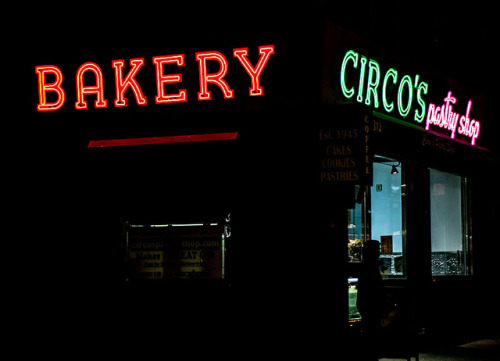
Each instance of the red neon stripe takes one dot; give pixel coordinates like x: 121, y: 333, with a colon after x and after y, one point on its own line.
x: 162, y: 140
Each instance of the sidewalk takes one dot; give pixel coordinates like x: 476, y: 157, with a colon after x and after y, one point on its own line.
x: 480, y: 350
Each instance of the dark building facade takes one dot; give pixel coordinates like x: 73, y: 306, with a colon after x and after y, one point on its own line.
x: 215, y: 190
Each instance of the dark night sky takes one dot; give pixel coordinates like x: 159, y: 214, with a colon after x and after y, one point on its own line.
x: 457, y: 38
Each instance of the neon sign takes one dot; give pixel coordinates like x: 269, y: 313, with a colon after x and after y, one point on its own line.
x: 123, y: 83
x: 361, y: 78
x: 445, y: 117
x: 82, y: 90
x: 162, y: 79
x: 406, y: 90
x: 190, y: 138
x: 43, y: 88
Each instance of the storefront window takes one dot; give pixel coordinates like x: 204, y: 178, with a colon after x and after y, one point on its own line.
x: 449, y: 230
x: 387, y: 215
x: 379, y: 215
x: 181, y: 250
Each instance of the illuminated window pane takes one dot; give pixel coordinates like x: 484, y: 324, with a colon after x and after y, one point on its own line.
x: 379, y: 215
x: 387, y: 216
x: 448, y: 228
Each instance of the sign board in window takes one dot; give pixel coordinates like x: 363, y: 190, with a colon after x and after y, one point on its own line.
x: 175, y: 251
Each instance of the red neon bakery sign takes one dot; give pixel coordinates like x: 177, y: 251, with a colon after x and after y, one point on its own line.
x: 123, y: 82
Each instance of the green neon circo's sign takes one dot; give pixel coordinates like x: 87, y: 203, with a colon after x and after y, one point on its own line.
x: 408, y: 89
x: 380, y: 87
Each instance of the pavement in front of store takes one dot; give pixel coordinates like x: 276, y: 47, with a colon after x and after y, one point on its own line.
x: 487, y: 349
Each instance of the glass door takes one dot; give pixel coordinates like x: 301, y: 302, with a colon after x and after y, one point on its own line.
x: 378, y: 214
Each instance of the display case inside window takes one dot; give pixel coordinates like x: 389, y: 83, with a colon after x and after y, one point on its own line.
x: 354, y: 315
